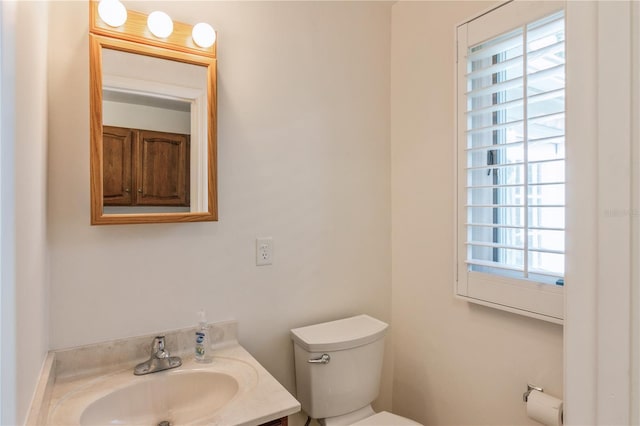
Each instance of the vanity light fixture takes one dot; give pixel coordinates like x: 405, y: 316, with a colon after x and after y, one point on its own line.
x: 160, y: 24
x: 203, y: 35
x: 112, y: 12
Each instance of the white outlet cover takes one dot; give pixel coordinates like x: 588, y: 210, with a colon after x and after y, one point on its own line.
x: 264, y: 251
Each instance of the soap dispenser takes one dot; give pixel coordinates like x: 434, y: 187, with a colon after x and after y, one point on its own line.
x: 202, y: 338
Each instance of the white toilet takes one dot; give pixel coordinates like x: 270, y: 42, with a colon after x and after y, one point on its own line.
x: 338, y: 368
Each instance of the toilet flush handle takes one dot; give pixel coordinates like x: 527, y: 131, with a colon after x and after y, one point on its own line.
x: 324, y: 359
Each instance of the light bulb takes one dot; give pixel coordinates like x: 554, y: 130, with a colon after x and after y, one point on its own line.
x: 203, y: 35
x: 160, y: 24
x: 112, y: 12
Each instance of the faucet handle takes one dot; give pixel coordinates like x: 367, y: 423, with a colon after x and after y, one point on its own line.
x: 158, y: 343
x: 157, y: 348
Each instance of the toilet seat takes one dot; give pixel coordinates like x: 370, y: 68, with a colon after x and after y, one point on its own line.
x: 384, y: 418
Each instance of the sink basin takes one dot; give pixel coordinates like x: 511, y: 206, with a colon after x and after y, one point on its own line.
x: 179, y: 397
x: 193, y: 394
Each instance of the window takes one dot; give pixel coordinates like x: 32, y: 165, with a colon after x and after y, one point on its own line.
x: 511, y: 159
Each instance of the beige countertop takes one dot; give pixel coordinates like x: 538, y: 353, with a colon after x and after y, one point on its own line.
x: 78, y: 381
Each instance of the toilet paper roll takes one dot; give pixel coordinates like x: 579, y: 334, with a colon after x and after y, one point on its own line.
x: 544, y: 408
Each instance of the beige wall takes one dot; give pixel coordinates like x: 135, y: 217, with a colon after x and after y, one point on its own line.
x: 24, y: 88
x: 303, y: 156
x: 454, y: 362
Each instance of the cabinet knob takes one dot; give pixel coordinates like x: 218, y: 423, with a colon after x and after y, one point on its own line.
x: 140, y: 190
x: 127, y: 190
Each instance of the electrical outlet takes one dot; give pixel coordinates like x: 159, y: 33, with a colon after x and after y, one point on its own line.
x: 264, y: 251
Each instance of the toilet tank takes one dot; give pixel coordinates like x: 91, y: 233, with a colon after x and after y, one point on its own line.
x: 350, y: 380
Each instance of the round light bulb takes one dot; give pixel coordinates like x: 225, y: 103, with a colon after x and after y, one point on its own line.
x: 203, y: 35
x: 112, y: 12
x: 160, y: 24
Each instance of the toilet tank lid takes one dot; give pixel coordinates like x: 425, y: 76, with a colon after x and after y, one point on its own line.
x: 339, y: 335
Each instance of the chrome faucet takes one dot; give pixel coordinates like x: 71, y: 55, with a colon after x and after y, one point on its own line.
x: 159, y: 360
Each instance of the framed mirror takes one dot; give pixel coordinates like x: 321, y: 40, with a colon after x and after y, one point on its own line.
x: 153, y: 124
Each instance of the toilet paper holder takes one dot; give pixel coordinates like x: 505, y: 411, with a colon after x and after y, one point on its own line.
x: 525, y: 396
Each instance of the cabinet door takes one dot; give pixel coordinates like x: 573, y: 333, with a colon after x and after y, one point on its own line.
x: 117, y: 146
x: 163, y: 169
x: 284, y: 421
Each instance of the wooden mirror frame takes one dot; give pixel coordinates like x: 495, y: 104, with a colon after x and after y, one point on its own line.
x: 134, y: 37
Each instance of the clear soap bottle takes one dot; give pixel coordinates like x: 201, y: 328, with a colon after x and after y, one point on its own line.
x: 202, y: 338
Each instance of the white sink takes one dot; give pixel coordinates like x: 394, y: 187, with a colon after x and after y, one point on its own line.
x: 95, y: 385
x: 178, y: 397
x: 192, y: 394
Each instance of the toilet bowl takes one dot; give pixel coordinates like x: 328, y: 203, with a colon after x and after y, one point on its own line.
x: 338, y: 370
x: 384, y: 418
x: 368, y: 417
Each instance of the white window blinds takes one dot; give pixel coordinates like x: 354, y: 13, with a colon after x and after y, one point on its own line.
x: 512, y: 151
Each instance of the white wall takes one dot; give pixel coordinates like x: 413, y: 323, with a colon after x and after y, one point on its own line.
x: 138, y: 69
x: 601, y: 343
x: 635, y: 224
x: 454, y: 362
x: 121, y: 114
x: 303, y: 156
x: 25, y: 255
